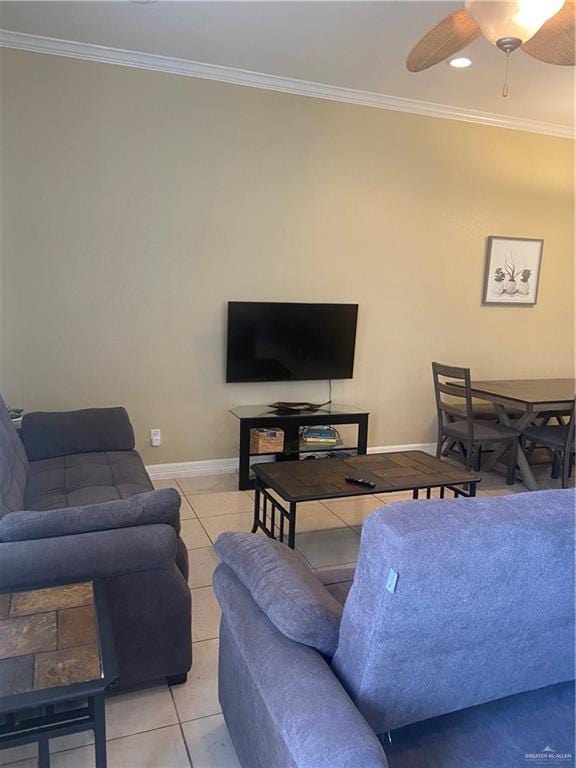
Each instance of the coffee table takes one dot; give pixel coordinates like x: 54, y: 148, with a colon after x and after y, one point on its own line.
x: 318, y: 479
x: 56, y: 650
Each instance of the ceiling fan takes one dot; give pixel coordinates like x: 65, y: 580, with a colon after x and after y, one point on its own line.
x: 544, y: 29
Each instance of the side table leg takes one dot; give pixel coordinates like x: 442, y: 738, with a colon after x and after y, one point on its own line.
x: 99, y: 731
x: 43, y: 753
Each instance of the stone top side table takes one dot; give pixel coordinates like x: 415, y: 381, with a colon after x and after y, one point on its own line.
x: 56, y: 649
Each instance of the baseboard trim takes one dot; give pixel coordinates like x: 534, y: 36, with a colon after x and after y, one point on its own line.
x: 229, y: 466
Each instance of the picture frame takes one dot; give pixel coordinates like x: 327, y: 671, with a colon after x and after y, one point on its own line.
x: 512, y: 271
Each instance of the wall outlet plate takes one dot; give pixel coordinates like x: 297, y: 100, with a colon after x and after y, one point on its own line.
x: 155, y: 437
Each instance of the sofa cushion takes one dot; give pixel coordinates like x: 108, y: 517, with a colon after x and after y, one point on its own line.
x: 284, y: 587
x: 13, y: 465
x: 86, y: 478
x: 533, y: 728
x: 47, y: 435
x: 481, y: 606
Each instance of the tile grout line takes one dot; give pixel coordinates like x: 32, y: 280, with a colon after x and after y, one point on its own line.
x: 188, y: 755
x: 203, y: 717
x: 210, y: 539
x: 205, y: 639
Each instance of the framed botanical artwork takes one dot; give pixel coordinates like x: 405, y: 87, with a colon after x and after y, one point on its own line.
x: 512, y: 270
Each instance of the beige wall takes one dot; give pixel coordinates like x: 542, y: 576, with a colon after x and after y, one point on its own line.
x: 136, y: 204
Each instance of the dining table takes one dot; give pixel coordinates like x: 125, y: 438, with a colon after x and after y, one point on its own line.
x: 534, y: 398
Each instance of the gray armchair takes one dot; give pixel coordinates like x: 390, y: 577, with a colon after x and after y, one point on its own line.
x: 76, y: 504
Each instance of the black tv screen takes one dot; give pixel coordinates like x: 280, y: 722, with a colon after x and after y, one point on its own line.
x: 270, y: 341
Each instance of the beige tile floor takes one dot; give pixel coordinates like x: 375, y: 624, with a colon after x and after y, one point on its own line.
x: 182, y: 726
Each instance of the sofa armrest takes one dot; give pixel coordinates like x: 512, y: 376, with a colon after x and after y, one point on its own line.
x: 102, y: 554
x: 155, y: 507
x: 305, y: 717
x: 47, y: 435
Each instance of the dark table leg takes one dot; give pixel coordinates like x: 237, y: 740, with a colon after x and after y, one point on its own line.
x: 244, y: 483
x: 99, y: 730
x: 43, y: 752
x: 363, y: 434
x: 292, y: 526
x: 256, y: 506
x: 291, y: 442
x: 524, y: 421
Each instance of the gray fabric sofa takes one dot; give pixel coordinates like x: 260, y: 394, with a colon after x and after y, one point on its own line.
x: 450, y: 646
x: 76, y: 504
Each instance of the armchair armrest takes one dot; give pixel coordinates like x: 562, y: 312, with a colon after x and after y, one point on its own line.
x: 155, y: 507
x: 102, y: 554
x: 47, y: 435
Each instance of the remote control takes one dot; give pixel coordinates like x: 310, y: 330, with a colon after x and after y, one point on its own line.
x: 361, y: 481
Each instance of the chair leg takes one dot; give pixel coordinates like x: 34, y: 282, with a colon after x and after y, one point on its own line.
x: 555, y: 472
x: 511, y: 475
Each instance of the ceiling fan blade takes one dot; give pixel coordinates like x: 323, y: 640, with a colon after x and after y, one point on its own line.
x: 554, y: 42
x: 444, y: 40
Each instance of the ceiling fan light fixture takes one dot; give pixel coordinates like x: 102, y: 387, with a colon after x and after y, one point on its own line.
x: 511, y: 19
x: 508, y: 44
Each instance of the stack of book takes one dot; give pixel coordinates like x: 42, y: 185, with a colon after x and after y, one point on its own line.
x: 326, y: 435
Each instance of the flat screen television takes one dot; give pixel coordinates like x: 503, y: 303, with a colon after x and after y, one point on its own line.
x: 272, y: 341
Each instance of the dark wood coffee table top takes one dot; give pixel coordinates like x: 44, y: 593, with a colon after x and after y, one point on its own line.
x: 325, y: 478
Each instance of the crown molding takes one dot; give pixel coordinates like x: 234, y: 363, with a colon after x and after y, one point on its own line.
x: 187, y: 68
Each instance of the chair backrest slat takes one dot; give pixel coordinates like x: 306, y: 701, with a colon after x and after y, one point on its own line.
x: 445, y: 377
x: 457, y: 390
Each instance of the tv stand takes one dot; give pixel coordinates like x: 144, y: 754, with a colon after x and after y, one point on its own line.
x: 262, y: 416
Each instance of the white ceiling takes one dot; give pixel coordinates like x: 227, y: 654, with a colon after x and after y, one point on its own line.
x: 358, y: 45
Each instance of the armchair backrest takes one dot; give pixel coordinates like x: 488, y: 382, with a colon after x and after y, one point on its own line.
x: 13, y: 465
x: 458, y: 602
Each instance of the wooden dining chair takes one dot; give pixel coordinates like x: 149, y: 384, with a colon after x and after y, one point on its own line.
x: 456, y: 422
x: 559, y: 438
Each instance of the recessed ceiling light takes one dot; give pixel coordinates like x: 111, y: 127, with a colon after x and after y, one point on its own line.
x: 460, y: 63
